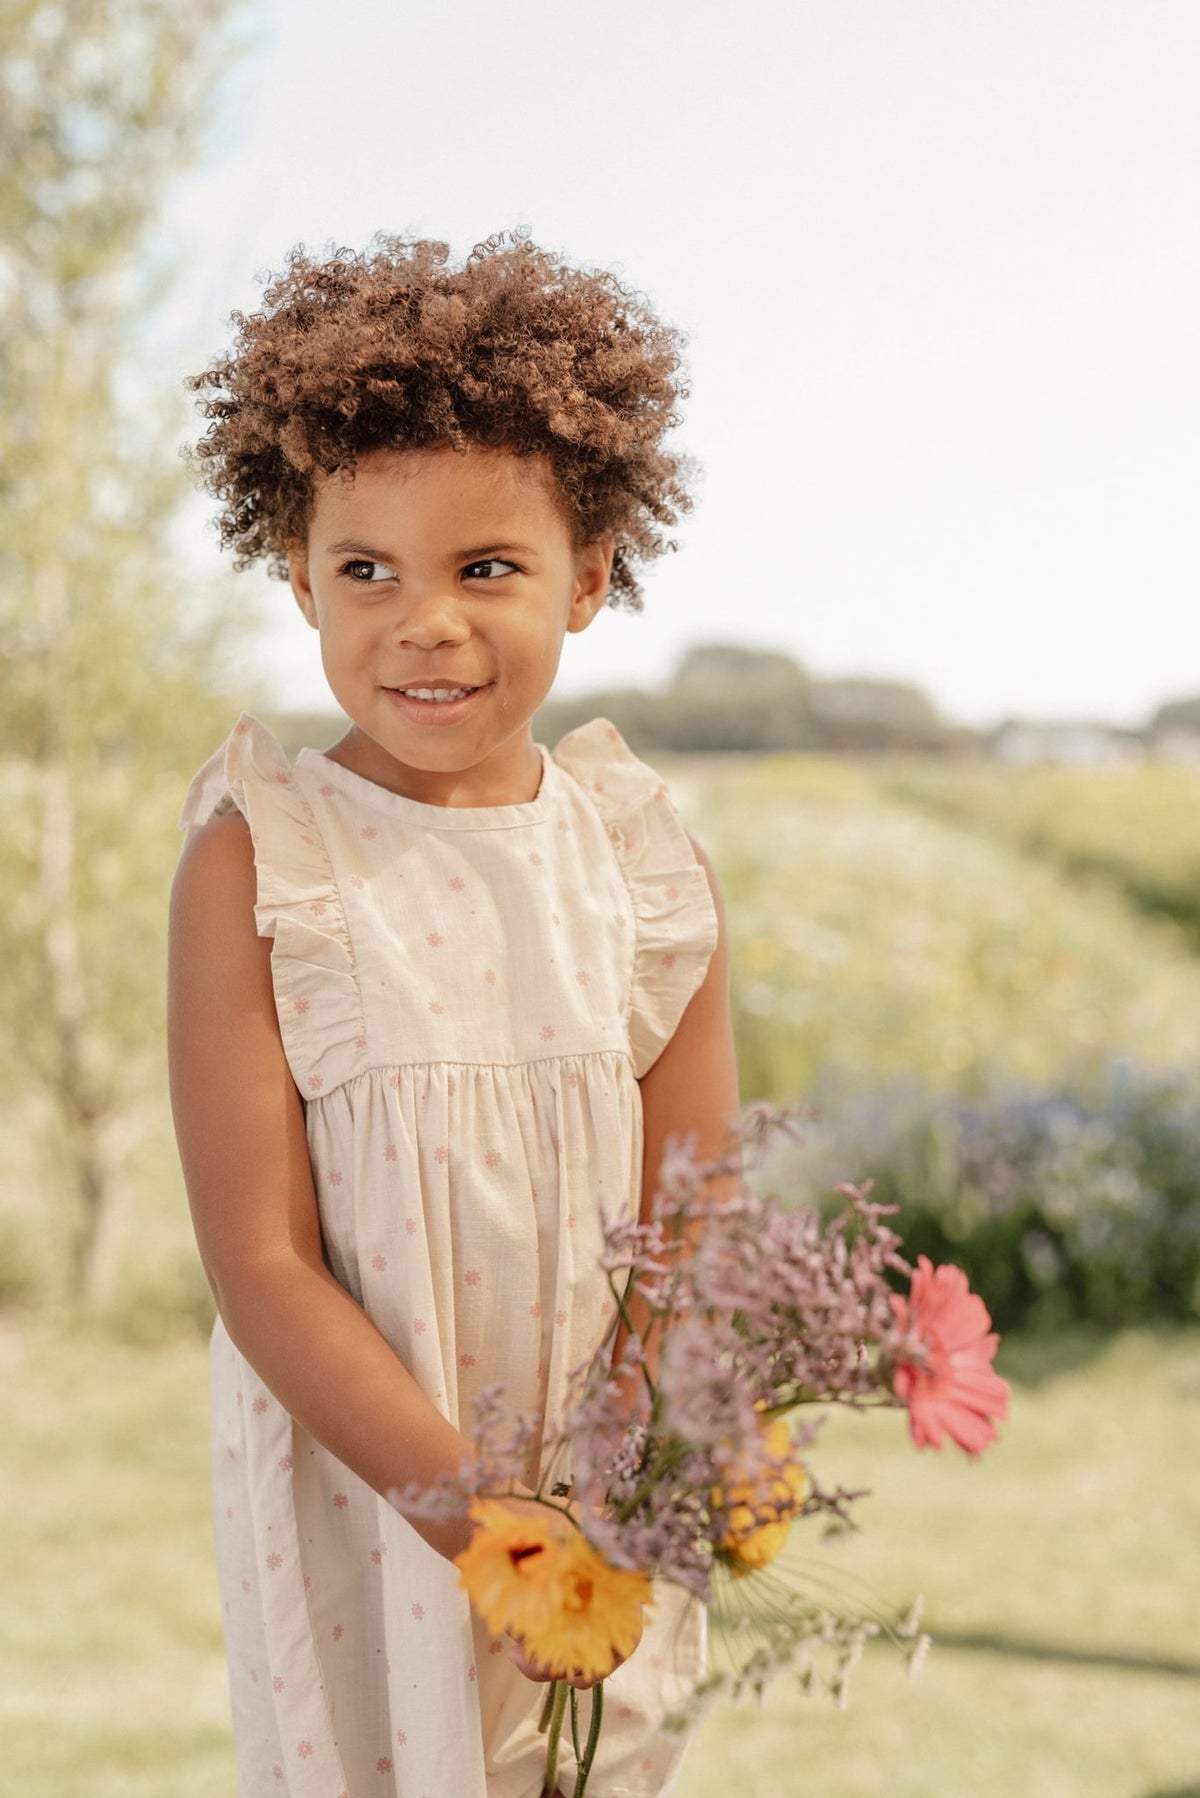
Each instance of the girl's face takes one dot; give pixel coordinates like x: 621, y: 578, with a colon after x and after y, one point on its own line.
x: 442, y: 584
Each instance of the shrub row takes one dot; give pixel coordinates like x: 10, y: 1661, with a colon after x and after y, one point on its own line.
x: 1063, y: 1206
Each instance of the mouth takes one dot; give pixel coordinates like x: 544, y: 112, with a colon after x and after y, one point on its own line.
x: 435, y: 695
x: 435, y: 701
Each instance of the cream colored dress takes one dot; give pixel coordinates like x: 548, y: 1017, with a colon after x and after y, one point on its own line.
x: 467, y: 1000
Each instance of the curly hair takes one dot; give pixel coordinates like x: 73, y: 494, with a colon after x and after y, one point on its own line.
x: 397, y: 348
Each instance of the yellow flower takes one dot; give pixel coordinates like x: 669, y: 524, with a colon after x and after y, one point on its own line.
x: 535, y: 1576
x: 762, y: 1501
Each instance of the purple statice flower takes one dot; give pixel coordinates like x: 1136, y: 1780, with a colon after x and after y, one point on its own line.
x: 644, y: 1498
x: 704, y: 1394
x: 806, y: 1303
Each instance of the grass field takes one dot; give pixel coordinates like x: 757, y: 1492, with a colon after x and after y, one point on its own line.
x: 1058, y: 1574
x: 873, y: 937
x: 1136, y: 829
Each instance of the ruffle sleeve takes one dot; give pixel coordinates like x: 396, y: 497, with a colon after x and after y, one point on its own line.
x: 298, y: 905
x: 674, y: 913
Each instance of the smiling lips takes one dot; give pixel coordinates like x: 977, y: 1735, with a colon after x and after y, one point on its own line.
x: 434, y: 701
x: 439, y: 695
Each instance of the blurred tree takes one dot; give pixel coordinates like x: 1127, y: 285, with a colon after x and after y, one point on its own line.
x: 731, y: 668
x: 109, y: 663
x: 874, y: 715
x: 1177, y: 714
x: 726, y: 697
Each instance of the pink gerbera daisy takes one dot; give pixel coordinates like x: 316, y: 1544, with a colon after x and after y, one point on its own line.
x: 953, y: 1388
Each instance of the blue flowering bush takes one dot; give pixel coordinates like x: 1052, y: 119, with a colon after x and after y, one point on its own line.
x: 1063, y: 1206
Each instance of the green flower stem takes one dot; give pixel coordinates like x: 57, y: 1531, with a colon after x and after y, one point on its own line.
x: 669, y: 1454
x: 551, y: 1724
x: 589, y: 1752
x: 556, y: 1708
x: 547, y: 1707
x: 622, y: 1299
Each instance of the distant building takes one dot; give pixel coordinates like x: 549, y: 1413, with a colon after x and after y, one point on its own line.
x: 1026, y: 742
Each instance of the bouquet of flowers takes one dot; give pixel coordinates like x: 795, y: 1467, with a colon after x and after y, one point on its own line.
x: 686, y: 1451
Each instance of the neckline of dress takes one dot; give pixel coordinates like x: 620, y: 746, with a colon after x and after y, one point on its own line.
x: 433, y: 817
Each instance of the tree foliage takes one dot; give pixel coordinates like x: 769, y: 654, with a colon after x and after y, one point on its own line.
x: 726, y: 697
x: 108, y: 665
x: 1177, y: 714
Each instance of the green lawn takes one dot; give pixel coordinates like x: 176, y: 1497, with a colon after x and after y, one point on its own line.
x: 1059, y: 1574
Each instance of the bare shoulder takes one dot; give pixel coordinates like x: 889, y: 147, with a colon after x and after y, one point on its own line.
x: 217, y: 853
x: 217, y: 962
x: 215, y: 884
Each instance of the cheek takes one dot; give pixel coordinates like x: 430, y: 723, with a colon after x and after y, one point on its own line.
x: 344, y: 628
x: 545, y: 640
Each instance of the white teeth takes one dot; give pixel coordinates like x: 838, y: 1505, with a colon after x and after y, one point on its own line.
x: 438, y: 694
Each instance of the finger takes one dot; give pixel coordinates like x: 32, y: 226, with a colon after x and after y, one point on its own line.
x: 518, y: 1653
x: 523, y: 1661
x: 584, y: 1682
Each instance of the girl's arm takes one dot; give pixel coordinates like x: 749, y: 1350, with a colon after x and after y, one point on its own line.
x: 240, y: 1124
x: 692, y: 1089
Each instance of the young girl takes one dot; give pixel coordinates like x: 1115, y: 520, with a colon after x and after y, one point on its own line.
x: 437, y: 997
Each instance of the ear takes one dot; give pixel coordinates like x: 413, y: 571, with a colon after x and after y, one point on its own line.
x: 301, y: 584
x: 593, y: 571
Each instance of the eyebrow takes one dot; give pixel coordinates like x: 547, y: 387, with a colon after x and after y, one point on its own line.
x: 495, y: 549
x: 353, y: 546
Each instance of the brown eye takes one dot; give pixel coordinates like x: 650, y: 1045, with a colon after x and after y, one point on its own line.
x: 365, y: 573
x: 490, y: 569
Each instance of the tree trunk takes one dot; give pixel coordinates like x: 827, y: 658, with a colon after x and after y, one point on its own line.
x: 97, y: 1260
x: 80, y: 1096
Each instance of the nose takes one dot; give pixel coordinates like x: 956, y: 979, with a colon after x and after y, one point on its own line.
x: 430, y: 620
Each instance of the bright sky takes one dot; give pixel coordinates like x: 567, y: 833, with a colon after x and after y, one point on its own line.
x: 939, y: 264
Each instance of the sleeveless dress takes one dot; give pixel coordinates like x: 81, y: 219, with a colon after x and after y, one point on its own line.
x: 467, y: 999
